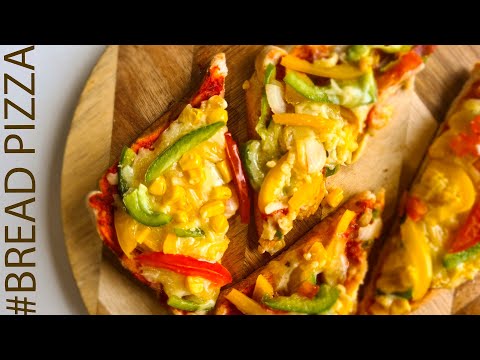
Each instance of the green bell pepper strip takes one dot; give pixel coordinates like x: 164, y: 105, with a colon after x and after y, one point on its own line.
x: 250, y: 152
x: 348, y: 93
x: 138, y: 206
x: 330, y: 172
x: 323, y: 301
x: 407, y: 294
x: 174, y: 152
x: 261, y: 128
x: 126, y: 159
x: 357, y: 52
x: 195, y: 232
x: 404, y: 294
x: 187, y: 305
x: 451, y: 261
x: 311, y: 92
x: 270, y: 73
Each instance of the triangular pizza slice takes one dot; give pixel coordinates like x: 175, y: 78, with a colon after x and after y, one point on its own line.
x: 436, y: 243
x: 310, y: 112
x: 163, y: 208
x: 321, y: 273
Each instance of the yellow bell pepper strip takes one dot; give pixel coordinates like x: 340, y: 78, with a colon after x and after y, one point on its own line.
x: 419, y: 256
x: 341, y: 71
x: 345, y: 221
x: 306, y: 194
x: 174, y: 152
x: 125, y: 227
x: 262, y: 288
x: 325, y: 298
x: 467, y: 240
x: 245, y: 304
x: 460, y: 187
x: 319, y: 123
x: 339, y: 241
x: 274, y: 180
x: 188, y: 305
x: 188, y: 266
x: 126, y: 160
x: 138, y: 206
x: 195, y: 232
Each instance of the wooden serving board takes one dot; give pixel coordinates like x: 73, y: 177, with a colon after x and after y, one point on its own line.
x: 131, y: 86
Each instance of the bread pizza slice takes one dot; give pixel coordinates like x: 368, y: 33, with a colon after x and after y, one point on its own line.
x: 310, y: 111
x: 163, y: 208
x: 437, y: 241
x: 321, y: 273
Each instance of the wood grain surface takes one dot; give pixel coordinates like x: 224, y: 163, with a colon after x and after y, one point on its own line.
x: 131, y: 86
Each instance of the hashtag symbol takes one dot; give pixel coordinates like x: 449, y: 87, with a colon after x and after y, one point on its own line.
x: 21, y: 306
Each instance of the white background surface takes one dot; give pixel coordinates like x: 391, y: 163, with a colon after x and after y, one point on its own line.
x: 60, y: 74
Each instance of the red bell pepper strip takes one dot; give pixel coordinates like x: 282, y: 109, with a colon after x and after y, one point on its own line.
x: 187, y: 266
x: 239, y: 179
x: 467, y: 143
x: 469, y: 233
x: 415, y: 208
x: 408, y: 62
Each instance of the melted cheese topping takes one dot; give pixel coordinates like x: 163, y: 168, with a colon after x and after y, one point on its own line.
x: 197, y: 192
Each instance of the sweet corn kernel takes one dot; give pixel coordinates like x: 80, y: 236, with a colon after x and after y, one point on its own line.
x: 221, y: 193
x: 196, y: 115
x: 195, y: 284
x: 175, y: 194
x: 400, y: 306
x: 318, y: 253
x: 219, y: 223
x: 366, y: 63
x: 190, y: 160
x: 215, y: 251
x: 218, y: 115
x: 334, y: 197
x: 180, y: 217
x: 170, y: 244
x: 196, y: 176
x: 224, y: 171
x: 212, y: 208
x: 152, y: 244
x: 158, y: 187
x: 211, y: 151
x: 142, y: 233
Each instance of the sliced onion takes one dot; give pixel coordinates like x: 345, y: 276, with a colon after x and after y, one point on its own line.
x: 371, y: 231
x: 316, y: 155
x: 275, y: 98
